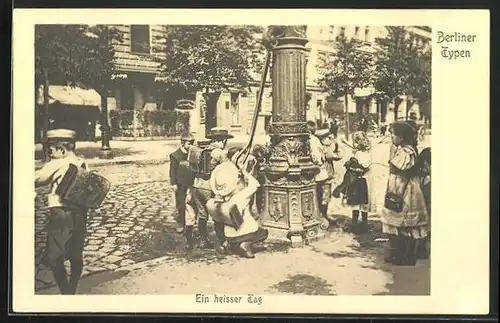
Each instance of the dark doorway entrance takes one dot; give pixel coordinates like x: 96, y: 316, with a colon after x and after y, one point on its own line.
x: 382, y: 110
x: 211, y: 101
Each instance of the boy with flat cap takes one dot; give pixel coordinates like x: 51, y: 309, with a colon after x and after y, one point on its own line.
x: 66, y: 227
x: 181, y: 178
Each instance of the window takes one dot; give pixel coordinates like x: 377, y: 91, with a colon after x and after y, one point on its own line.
x: 140, y: 39
x: 319, y: 112
x: 331, y: 33
x: 356, y: 32
x: 235, y: 108
x: 127, y: 98
x: 362, y: 106
x: 367, y: 33
x: 342, y: 31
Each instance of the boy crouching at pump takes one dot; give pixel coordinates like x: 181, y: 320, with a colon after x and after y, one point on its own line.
x: 208, y: 154
x: 233, y: 192
x: 66, y: 227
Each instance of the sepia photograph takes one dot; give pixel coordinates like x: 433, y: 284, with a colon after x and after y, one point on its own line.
x: 252, y: 159
x: 227, y: 161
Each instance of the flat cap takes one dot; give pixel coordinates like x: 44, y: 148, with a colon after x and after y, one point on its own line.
x: 187, y: 137
x: 322, y: 133
x: 61, y: 134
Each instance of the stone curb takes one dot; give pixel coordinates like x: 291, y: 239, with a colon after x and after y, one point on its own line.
x: 100, y: 163
x: 152, y: 161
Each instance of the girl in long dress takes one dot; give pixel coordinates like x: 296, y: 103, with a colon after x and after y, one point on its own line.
x: 404, y: 216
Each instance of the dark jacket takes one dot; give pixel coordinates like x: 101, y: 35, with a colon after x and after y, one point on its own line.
x: 180, y: 173
x: 353, y: 186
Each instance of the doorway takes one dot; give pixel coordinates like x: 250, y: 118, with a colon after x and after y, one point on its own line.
x: 382, y: 110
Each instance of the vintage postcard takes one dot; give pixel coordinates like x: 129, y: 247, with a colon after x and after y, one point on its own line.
x: 251, y: 161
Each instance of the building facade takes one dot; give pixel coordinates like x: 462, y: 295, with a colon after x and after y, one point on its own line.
x: 136, y: 89
x: 320, y: 43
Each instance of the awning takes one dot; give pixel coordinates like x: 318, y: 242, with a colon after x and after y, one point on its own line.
x: 69, y: 95
x: 363, y: 92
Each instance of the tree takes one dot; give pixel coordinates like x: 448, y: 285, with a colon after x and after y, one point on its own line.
x: 347, y: 68
x: 210, y: 59
x: 76, y: 55
x: 96, y: 68
x: 394, y: 57
x: 420, y: 82
x: 56, y: 60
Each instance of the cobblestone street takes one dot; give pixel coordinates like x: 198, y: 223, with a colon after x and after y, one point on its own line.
x: 140, y: 201
x: 136, y: 225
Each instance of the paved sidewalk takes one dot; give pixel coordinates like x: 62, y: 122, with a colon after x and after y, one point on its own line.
x: 153, y: 151
x: 140, y: 151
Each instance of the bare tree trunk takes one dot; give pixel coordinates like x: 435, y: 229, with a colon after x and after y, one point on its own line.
x: 45, y: 128
x: 409, y: 105
x: 105, y: 152
x: 346, y: 99
x: 396, y: 109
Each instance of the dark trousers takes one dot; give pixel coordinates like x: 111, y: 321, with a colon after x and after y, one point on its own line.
x: 200, y: 198
x: 66, y: 230
x: 180, y: 203
x: 334, y: 129
x: 383, y: 130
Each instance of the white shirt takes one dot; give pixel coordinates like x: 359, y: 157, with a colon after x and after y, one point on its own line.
x: 53, y: 172
x: 242, y: 200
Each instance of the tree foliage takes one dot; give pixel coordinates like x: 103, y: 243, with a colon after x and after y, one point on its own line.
x: 57, y: 51
x: 397, y: 69
x: 209, y: 58
x: 96, y: 66
x: 420, y: 81
x: 347, y: 68
x: 75, y: 54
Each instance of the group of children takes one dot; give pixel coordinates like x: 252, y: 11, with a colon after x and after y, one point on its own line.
x: 225, y: 193
x: 228, y: 193
x: 405, y: 215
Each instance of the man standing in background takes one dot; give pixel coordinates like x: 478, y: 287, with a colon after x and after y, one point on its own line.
x: 181, y: 178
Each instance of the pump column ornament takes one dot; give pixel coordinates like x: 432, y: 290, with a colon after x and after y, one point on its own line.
x: 290, y: 210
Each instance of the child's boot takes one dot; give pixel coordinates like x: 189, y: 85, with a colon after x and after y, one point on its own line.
x: 364, y: 221
x: 202, y: 229
x: 354, y: 221
x: 188, y: 233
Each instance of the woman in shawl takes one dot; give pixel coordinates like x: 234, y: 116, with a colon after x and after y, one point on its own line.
x: 404, y: 217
